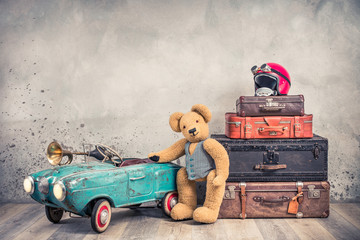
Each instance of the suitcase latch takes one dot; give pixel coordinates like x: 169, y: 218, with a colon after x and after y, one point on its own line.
x: 230, y: 194
x: 316, y: 152
x: 271, y: 157
x: 313, y: 193
x: 297, y: 127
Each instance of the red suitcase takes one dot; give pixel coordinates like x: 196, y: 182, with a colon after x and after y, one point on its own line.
x: 268, y: 127
x: 289, y: 105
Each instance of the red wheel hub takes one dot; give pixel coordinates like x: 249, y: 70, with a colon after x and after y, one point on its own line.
x: 170, y: 199
x: 103, y: 216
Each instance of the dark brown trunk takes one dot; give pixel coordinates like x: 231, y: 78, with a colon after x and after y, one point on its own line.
x: 271, y: 199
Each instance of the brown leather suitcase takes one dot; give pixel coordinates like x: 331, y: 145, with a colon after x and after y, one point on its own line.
x: 276, y: 200
x: 268, y: 127
x: 289, y: 105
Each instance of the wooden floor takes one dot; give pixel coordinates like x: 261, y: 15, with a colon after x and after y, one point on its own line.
x: 28, y: 221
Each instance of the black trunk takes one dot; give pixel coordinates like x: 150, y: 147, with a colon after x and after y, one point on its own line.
x: 274, y: 160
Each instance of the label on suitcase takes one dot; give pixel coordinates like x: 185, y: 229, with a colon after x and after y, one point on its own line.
x: 290, y: 105
x: 268, y: 127
x: 275, y: 200
x: 274, y: 160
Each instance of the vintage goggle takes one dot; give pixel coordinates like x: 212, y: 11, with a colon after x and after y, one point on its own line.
x: 264, y: 92
x: 264, y: 68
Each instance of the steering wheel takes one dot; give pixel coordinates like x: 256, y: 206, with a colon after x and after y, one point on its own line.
x: 108, y: 153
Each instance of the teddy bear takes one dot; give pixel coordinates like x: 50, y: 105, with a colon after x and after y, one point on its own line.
x: 206, y: 160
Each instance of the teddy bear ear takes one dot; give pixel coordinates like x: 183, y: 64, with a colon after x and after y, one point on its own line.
x: 174, y: 121
x: 203, y: 111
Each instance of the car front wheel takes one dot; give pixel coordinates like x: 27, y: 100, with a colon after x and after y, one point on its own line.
x: 54, y: 215
x: 101, y: 216
x: 168, y: 202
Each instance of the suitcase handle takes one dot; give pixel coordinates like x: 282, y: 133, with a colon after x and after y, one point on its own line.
x: 269, y: 167
x: 273, y: 130
x: 262, y: 200
x: 267, y: 108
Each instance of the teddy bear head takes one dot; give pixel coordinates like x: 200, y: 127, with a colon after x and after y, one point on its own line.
x: 194, y: 124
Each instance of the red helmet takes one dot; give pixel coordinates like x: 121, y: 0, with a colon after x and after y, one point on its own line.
x: 271, y: 79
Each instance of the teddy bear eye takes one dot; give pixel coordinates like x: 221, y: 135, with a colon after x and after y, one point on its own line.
x: 184, y: 127
x: 197, y: 121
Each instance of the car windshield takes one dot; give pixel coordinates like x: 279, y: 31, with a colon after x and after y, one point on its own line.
x: 125, y: 162
x: 134, y: 161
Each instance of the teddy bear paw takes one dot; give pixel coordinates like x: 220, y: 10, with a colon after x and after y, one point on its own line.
x: 181, y: 212
x: 205, y: 215
x: 218, y: 181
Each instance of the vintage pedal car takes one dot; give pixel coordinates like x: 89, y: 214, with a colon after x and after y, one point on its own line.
x: 92, y: 188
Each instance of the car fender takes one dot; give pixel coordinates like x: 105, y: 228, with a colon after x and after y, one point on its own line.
x: 79, y: 199
x: 89, y: 206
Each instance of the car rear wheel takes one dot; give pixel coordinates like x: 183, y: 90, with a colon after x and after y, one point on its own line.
x: 54, y: 215
x: 101, y: 216
x: 168, y: 202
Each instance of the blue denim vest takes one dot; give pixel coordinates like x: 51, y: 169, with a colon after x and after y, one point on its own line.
x: 200, y: 163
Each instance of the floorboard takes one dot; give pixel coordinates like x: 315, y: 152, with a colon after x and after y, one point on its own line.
x: 275, y: 229
x: 339, y: 227
x: 41, y: 229
x: 72, y: 228
x: 21, y: 221
x: 208, y: 231
x: 309, y: 229
x: 349, y: 211
x: 7, y: 211
x: 241, y: 229
x: 144, y: 225
x: 28, y: 221
x: 170, y: 231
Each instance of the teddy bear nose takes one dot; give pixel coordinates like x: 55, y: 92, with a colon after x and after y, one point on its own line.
x: 192, y: 130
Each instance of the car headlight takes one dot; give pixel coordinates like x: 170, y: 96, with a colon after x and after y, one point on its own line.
x: 59, y: 191
x: 29, y: 184
x: 43, y: 185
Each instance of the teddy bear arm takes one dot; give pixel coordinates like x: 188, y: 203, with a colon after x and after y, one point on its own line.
x: 171, y: 153
x: 220, y: 156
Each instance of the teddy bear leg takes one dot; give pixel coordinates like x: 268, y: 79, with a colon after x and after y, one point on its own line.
x: 209, y: 212
x: 187, y: 197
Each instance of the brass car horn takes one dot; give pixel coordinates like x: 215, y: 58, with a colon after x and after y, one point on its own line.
x: 55, y: 154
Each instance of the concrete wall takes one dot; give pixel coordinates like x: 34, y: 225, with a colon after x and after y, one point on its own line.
x: 113, y: 71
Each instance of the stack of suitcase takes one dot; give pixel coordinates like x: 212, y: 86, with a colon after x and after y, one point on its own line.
x: 278, y: 168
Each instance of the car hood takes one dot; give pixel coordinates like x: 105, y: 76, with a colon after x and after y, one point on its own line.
x: 60, y: 172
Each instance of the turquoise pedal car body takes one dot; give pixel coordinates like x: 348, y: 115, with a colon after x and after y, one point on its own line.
x: 93, y: 188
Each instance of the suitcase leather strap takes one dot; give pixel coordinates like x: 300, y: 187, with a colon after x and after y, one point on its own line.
x: 243, y: 200
x: 297, y: 126
x: 301, y: 197
x: 247, y: 127
x: 300, y: 186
